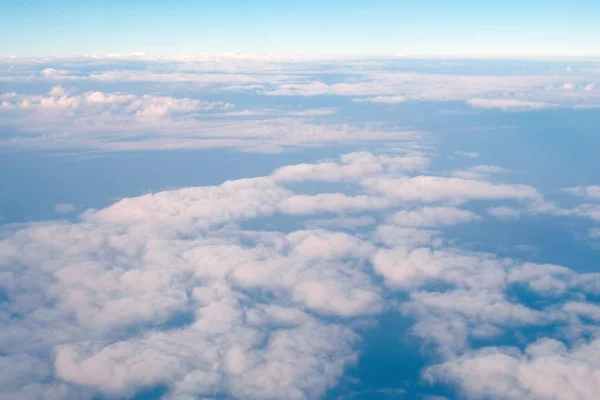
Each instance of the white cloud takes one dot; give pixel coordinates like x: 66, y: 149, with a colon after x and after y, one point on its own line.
x: 548, y: 369
x: 405, y: 267
x: 429, y: 217
x: 590, y: 86
x: 510, y: 93
x: 589, y: 192
x: 466, y: 154
x: 373, y: 80
x: 480, y: 172
x: 171, y: 289
x: 100, y: 104
x: 489, y: 169
x: 313, y: 112
x: 545, y: 279
x: 101, y: 296
x: 509, y: 104
x: 107, y: 121
x: 57, y: 91
x: 331, y: 202
x: 382, y: 99
x: 352, y: 167
x: 52, y: 73
x: 429, y: 189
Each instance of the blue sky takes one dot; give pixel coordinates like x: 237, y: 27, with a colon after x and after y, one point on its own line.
x: 415, y: 28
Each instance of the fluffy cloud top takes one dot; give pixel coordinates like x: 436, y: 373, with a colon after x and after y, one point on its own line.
x: 382, y: 99
x: 167, y: 289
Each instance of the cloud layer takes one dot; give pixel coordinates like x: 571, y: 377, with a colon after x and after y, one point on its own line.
x: 202, y: 101
x: 171, y: 290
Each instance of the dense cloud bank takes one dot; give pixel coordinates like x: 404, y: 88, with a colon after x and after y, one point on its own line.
x: 170, y: 290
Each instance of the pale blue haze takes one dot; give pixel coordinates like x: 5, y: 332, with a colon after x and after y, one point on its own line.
x: 463, y: 28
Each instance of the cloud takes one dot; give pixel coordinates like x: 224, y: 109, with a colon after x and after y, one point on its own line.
x: 352, y: 167
x: 57, y: 91
x: 589, y: 192
x: 313, y: 112
x: 376, y: 81
x: 84, y: 111
x: 466, y: 154
x: 382, y: 99
x: 115, y: 103
x: 175, y: 289
x: 430, y: 189
x: 52, y: 73
x: 590, y: 86
x: 455, y: 296
x: 482, y: 91
x: 547, y: 369
x: 143, y: 263
x: 432, y: 217
x: 331, y: 202
x: 545, y: 279
x: 480, y: 172
x: 106, y: 121
x: 509, y: 104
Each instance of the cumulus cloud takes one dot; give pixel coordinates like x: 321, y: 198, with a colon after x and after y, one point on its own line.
x: 547, y: 369
x: 589, y: 192
x: 480, y: 172
x: 313, y: 112
x: 97, y: 102
x: 466, y: 154
x: 352, y: 167
x: 382, y: 99
x: 172, y: 289
x: 429, y: 189
x: 146, y: 263
x: 432, y: 217
x: 590, y: 86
